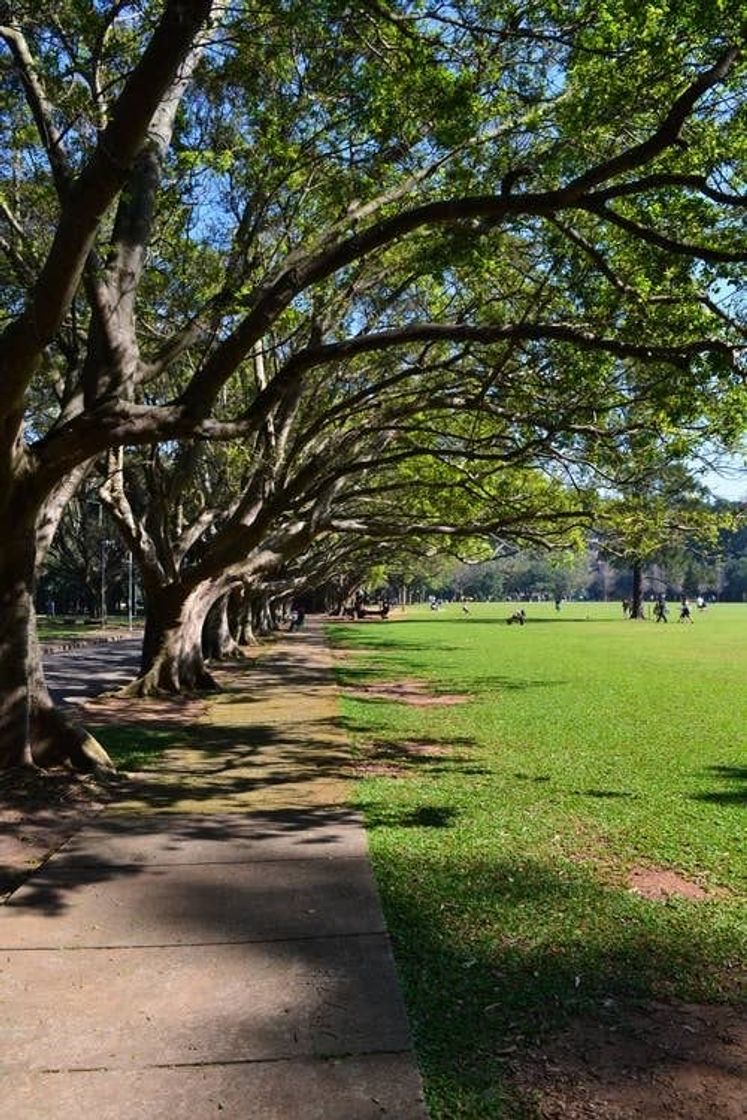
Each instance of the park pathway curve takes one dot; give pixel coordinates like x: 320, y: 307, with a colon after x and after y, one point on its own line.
x: 214, y: 946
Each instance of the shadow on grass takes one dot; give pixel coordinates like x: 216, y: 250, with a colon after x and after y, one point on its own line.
x: 473, y: 686
x: 735, y: 777
x: 605, y: 794
x: 427, y: 816
x: 599, y: 794
x: 497, y: 954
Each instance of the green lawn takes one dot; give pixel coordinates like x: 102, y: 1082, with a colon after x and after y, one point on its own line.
x: 590, y: 745
x: 65, y: 628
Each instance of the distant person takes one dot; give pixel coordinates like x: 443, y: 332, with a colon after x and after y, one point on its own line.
x: 558, y: 602
x: 518, y: 617
x: 626, y: 607
x: 701, y: 603
x: 465, y: 608
x: 298, y: 615
x: 685, y: 615
x: 660, y: 610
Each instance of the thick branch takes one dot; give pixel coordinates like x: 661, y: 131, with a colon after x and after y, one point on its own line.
x: 41, y: 109
x: 93, y: 192
x: 661, y: 241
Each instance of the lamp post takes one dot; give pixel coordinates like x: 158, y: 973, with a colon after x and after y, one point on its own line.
x: 105, y: 544
x: 130, y: 592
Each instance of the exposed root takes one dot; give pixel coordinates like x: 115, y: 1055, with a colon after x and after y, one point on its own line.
x: 58, y: 741
x: 159, y: 685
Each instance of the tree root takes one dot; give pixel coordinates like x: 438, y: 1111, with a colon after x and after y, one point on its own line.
x: 58, y: 741
x: 152, y: 685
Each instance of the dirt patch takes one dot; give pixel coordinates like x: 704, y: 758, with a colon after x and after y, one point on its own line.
x: 663, y: 1061
x: 407, y: 691
x: 39, y: 812
x: 658, y: 884
x: 648, y: 881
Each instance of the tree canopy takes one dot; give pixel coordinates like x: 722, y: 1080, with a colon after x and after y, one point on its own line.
x: 386, y: 248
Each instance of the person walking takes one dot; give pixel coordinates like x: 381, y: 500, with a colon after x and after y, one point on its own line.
x: 685, y: 615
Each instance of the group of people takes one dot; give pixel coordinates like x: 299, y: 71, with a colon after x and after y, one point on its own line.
x: 661, y: 608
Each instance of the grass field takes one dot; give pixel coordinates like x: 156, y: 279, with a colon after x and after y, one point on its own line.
x: 66, y: 628
x: 590, y: 748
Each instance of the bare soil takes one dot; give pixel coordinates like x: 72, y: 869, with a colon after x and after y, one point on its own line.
x: 652, y: 882
x: 660, y: 1061
x: 659, y: 883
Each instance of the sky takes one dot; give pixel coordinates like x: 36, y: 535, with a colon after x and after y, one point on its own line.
x: 729, y: 483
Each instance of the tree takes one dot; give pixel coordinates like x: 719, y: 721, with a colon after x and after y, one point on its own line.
x: 551, y: 200
x: 653, y: 524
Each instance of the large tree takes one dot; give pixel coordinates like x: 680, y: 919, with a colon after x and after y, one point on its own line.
x: 182, y: 188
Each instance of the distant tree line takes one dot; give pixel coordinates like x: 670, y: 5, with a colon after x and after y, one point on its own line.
x: 718, y: 569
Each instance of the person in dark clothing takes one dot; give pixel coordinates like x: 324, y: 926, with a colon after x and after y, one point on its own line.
x: 298, y: 614
x: 685, y: 615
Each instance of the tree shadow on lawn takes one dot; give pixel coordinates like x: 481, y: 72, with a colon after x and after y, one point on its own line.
x: 735, y: 777
x: 473, y: 685
x: 229, y: 762
x: 426, y: 816
x: 497, y: 956
x: 340, y: 644
x: 599, y: 794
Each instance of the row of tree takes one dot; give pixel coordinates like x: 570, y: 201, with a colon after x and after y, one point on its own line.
x: 291, y: 284
x: 715, y: 567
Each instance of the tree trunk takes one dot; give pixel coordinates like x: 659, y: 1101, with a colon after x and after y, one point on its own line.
x: 636, y: 599
x: 17, y: 561
x: 246, y: 635
x: 32, y: 730
x: 218, y: 643
x: 263, y: 621
x: 172, y: 659
x: 279, y: 612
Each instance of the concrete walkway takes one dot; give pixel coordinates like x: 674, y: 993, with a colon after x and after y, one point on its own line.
x: 215, y: 945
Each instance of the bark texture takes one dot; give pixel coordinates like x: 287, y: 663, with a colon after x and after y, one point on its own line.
x: 32, y: 731
x: 218, y: 641
x: 636, y: 600
x: 172, y: 659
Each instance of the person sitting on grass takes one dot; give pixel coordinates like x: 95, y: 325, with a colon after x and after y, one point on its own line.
x: 518, y: 616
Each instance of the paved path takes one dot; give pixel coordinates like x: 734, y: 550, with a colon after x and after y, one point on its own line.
x: 81, y: 673
x: 215, y: 946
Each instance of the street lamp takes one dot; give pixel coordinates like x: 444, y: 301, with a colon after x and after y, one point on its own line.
x: 130, y: 591
x: 105, y: 544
